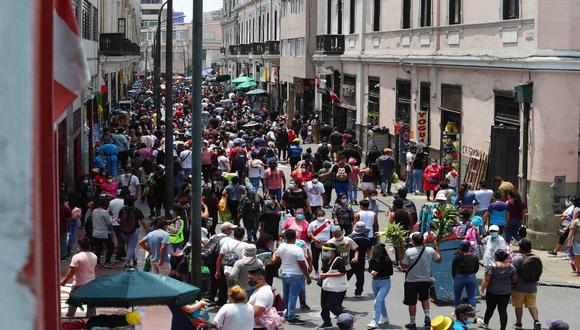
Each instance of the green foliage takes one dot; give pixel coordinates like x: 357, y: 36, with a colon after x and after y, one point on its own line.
x: 446, y: 218
x: 394, y: 234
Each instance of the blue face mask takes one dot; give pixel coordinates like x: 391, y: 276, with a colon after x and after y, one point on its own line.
x: 494, y: 234
x: 268, y: 202
x: 470, y: 320
x: 300, y: 216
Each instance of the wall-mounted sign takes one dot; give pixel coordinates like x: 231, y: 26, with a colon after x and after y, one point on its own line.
x: 422, y: 126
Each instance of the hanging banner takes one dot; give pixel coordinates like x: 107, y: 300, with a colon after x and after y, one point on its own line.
x: 264, y: 75
x: 422, y: 126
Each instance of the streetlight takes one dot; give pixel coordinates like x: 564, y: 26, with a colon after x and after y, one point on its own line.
x: 157, y: 66
x: 169, y: 184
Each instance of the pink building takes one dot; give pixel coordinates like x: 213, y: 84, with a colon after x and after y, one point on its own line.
x: 442, y: 73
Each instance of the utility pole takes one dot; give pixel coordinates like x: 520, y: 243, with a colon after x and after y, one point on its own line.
x: 157, y: 66
x: 169, y: 185
x: 196, y: 143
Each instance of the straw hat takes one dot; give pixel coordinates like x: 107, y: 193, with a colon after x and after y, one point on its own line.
x: 441, y: 323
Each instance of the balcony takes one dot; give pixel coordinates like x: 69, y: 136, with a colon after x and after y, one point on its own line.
x: 273, y: 47
x: 330, y: 44
x: 245, y: 49
x: 233, y: 49
x: 258, y: 48
x: 113, y: 44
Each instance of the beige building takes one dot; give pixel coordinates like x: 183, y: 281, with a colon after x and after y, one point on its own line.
x: 442, y: 73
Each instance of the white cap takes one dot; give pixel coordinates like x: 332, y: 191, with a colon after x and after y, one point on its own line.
x: 441, y: 196
x: 494, y: 228
x: 228, y: 225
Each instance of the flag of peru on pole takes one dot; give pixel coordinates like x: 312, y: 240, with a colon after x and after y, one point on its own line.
x: 71, y: 71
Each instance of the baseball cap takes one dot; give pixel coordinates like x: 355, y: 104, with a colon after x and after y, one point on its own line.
x: 441, y: 196
x: 494, y: 228
x: 345, y: 320
x: 228, y: 225
x: 557, y: 325
x: 464, y: 309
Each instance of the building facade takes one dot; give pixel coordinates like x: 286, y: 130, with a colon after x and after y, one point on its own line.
x: 442, y: 73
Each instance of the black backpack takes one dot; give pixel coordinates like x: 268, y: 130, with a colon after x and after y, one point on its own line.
x: 211, y: 250
x: 128, y: 222
x: 531, y: 269
x: 240, y: 160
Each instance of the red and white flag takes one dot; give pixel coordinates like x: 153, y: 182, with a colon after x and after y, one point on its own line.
x: 332, y: 95
x: 71, y: 71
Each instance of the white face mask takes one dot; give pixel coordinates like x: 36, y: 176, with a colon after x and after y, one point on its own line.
x: 315, y: 181
x: 320, y: 219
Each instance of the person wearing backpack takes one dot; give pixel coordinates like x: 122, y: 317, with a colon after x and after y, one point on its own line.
x: 231, y: 250
x: 130, y: 218
x: 529, y: 269
x: 343, y: 214
x: 209, y: 255
x: 238, y: 159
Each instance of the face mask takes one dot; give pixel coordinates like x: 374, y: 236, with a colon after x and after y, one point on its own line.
x: 300, y: 216
x: 252, y: 283
x: 320, y: 219
x: 470, y: 320
x: 326, y: 254
x: 303, y: 170
x: 339, y: 238
x: 315, y: 181
x: 109, y: 181
x: 86, y: 181
x: 292, y: 187
x: 268, y: 202
x: 494, y: 234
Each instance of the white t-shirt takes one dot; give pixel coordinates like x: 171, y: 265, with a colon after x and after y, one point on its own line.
x: 410, y: 157
x: 323, y: 235
x: 484, y: 197
x: 452, y: 177
x: 314, y: 193
x: 235, y: 317
x: 262, y: 297
x: 232, y: 245
x: 290, y: 254
x: 344, y: 245
x: 255, y: 168
x: 368, y: 217
x: 185, y: 158
x: 221, y: 161
x: 114, y: 207
x: 130, y: 182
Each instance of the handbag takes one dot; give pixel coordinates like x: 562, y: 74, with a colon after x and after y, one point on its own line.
x: 270, y: 319
x: 335, y: 284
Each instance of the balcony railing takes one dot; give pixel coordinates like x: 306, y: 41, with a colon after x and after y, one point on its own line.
x: 245, y: 49
x: 258, y: 48
x: 113, y: 44
x: 330, y: 44
x: 273, y: 47
x: 233, y: 49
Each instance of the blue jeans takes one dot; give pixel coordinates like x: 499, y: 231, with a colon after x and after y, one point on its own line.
x: 276, y: 193
x: 386, y: 183
x: 469, y: 282
x: 409, y: 182
x: 72, y: 236
x: 417, y: 180
x: 341, y: 187
x: 512, y: 230
x: 381, y: 288
x: 352, y: 191
x: 131, y: 241
x: 256, y: 183
x: 291, y: 286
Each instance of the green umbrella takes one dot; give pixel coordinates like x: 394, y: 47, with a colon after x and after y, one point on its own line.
x: 133, y: 288
x: 242, y: 79
x: 247, y: 84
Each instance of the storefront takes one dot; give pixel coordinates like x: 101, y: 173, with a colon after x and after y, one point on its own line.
x: 450, y: 152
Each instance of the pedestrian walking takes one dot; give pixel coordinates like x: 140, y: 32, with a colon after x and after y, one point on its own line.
x: 156, y: 243
x: 529, y: 269
x: 319, y: 233
x: 370, y: 219
x: 386, y: 166
x: 432, y: 176
x: 343, y: 214
x: 130, y: 219
x: 497, y: 284
x: 274, y: 181
x: 237, y: 314
x: 334, y: 284
x: 493, y: 243
x: 82, y: 271
x: 464, y: 269
x: 244, y: 266
x: 574, y: 240
x: 516, y: 214
x: 381, y: 270
x: 101, y: 224
x: 417, y: 265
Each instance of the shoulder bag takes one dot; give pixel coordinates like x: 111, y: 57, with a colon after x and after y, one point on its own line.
x: 335, y: 284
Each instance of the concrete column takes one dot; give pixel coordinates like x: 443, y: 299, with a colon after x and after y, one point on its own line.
x: 361, y: 94
x: 360, y: 18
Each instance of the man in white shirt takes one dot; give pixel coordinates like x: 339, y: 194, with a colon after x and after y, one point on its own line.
x: 314, y: 190
x: 370, y: 219
x: 185, y: 159
x: 484, y: 195
x: 115, y: 206
x: 293, y: 272
x: 409, y: 158
x: 319, y: 234
x: 131, y: 182
x: 263, y: 297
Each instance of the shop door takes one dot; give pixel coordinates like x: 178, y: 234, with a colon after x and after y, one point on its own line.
x: 504, y: 154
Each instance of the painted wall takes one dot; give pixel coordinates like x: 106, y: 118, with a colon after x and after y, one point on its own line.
x: 18, y: 304
x: 558, y: 24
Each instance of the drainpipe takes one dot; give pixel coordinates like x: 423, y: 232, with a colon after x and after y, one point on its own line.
x: 525, y: 151
x: 437, y: 29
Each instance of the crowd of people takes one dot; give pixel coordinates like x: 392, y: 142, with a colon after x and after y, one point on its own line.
x: 271, y: 225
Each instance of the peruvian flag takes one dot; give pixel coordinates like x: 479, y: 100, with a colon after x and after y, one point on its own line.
x: 333, y: 96
x: 71, y: 71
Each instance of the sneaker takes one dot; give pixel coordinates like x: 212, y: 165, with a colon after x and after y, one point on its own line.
x: 298, y: 321
x: 427, y: 321
x: 552, y: 252
x: 565, y: 257
x: 323, y: 326
x: 372, y: 325
x: 108, y: 265
x: 384, y: 321
x: 537, y: 325
x: 315, y: 276
x: 305, y: 307
x: 357, y: 295
x: 483, y: 326
x: 518, y: 326
x: 411, y: 326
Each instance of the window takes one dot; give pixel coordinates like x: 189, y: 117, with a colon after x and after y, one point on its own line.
x: 425, y: 13
x: 75, y: 5
x: 95, y: 24
x: 339, y: 17
x: 275, y: 36
x: 507, y: 111
x: 406, y: 14
x: 329, y: 17
x: 150, y: 11
x: 454, y: 12
x: 352, y: 19
x: 376, y: 15
x: 121, y: 26
x: 208, y: 35
x: 300, y: 47
x: 511, y: 9
x: 451, y: 97
x: 86, y: 20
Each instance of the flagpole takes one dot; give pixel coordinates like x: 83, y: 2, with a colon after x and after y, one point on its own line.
x: 195, y: 231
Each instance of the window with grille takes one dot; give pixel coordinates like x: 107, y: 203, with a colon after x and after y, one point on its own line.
x: 95, y: 24
x: 507, y: 110
x: 86, y: 17
x: 511, y: 9
x: 451, y: 97
x: 75, y: 5
x: 406, y: 14
x: 121, y: 26
x: 454, y: 12
x: 425, y: 13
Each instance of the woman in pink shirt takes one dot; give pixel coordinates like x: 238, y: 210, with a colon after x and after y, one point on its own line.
x: 110, y: 187
x: 353, y: 181
x: 298, y: 224
x: 82, y: 271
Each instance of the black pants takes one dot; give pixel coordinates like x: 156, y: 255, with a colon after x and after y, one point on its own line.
x: 359, y: 272
x: 330, y: 302
x: 99, y: 242
x: 293, y: 161
x: 213, y: 284
x: 315, y: 255
x: 282, y: 152
x: 222, y: 285
x: 501, y: 302
x: 120, y: 252
x: 123, y: 157
x: 233, y: 206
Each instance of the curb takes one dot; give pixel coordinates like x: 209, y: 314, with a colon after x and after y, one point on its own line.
x: 560, y: 285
